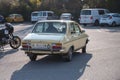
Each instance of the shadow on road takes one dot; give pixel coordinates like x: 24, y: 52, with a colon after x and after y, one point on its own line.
x: 6, y: 52
x: 53, y: 68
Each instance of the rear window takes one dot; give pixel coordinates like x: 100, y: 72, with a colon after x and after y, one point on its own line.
x: 86, y: 12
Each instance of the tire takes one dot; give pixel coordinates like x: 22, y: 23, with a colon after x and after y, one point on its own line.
x: 68, y: 56
x: 96, y: 23
x: 85, y: 24
x: 113, y: 24
x: 84, y: 49
x: 15, y: 42
x: 32, y: 57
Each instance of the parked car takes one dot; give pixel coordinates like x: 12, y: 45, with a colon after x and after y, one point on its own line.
x: 42, y: 15
x: 91, y: 16
x: 111, y: 19
x: 66, y: 16
x: 2, y: 19
x: 15, y: 18
x: 60, y: 37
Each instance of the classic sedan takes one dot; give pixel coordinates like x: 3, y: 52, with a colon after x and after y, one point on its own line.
x: 61, y: 37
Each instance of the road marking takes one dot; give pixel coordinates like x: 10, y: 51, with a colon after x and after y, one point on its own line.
x: 99, y: 30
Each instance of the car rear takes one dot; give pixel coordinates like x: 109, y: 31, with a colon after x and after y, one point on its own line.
x: 106, y: 19
x: 40, y: 41
x: 66, y: 16
x: 86, y: 17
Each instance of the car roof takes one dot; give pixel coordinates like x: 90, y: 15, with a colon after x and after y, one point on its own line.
x: 66, y: 21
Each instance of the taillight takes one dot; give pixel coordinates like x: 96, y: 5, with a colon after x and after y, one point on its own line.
x: 26, y: 45
x: 91, y: 17
x: 110, y: 17
x: 56, y: 46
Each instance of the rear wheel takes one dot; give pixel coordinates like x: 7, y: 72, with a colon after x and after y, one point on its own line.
x: 32, y: 57
x: 84, y: 49
x: 68, y: 56
x: 15, y: 42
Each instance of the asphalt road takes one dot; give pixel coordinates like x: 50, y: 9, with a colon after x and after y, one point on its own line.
x: 101, y: 62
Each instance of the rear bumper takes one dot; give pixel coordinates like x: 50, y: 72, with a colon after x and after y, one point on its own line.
x: 82, y: 23
x: 43, y: 52
x: 107, y: 22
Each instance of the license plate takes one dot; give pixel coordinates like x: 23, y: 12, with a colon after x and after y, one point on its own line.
x: 41, y: 46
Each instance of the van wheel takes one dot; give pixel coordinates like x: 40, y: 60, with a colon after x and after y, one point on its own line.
x: 96, y: 23
x: 32, y: 57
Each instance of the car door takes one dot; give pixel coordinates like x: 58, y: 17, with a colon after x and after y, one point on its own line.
x: 77, y: 36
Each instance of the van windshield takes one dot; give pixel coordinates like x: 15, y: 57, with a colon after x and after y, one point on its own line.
x: 85, y: 12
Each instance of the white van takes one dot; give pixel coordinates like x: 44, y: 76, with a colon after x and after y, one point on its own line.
x: 91, y: 16
x: 42, y: 15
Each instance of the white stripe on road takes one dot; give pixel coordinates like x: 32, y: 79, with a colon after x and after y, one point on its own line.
x: 99, y: 30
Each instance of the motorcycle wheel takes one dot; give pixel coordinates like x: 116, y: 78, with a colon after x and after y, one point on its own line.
x: 15, y: 42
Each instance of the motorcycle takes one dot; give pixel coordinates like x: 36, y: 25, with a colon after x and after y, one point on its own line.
x: 13, y: 41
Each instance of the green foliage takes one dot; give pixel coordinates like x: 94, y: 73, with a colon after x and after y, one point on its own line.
x: 25, y: 7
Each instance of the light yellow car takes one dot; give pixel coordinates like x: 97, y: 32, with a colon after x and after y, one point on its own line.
x: 15, y: 18
x: 61, y: 37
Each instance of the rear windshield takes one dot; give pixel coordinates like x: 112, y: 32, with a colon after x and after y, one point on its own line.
x: 85, y: 12
x: 50, y: 27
